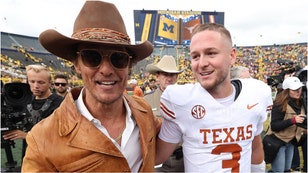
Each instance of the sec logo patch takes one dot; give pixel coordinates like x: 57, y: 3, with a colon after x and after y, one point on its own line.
x: 198, y: 112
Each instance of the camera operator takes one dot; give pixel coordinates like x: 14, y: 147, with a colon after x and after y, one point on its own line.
x: 43, y: 103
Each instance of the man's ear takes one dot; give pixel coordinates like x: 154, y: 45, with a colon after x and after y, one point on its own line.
x: 76, y: 70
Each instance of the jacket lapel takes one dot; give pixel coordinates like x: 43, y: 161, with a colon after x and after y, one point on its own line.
x: 139, y: 114
x: 79, y: 128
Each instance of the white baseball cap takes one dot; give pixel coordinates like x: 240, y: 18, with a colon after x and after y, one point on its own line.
x: 292, y: 83
x: 133, y: 81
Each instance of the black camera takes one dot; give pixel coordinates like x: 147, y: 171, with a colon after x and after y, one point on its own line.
x: 286, y: 67
x: 14, y: 99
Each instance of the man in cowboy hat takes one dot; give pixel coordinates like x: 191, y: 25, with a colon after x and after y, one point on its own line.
x: 96, y: 128
x: 166, y: 74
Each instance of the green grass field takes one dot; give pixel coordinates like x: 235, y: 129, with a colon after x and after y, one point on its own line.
x: 16, y: 156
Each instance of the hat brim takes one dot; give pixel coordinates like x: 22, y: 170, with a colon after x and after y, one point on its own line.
x: 296, y: 87
x: 66, y: 47
x: 152, y: 69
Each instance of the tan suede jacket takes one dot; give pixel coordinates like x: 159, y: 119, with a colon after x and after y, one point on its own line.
x: 67, y: 142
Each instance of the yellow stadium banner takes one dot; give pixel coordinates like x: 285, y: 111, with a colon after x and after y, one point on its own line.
x: 146, y: 27
x: 168, y: 28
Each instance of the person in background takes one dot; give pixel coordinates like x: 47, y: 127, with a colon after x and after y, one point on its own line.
x: 297, y: 160
x: 166, y: 74
x: 288, y: 111
x: 96, y: 128
x: 218, y: 120
x: 43, y: 102
x: 137, y: 91
x: 153, y: 85
x: 61, y: 84
x: 239, y: 72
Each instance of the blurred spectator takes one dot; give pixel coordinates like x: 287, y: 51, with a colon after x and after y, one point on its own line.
x: 137, y: 91
x: 61, y: 84
x: 239, y: 72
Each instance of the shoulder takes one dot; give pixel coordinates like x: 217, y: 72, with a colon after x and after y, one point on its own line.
x: 254, y: 84
x: 55, y: 96
x: 182, y: 94
x: 256, y: 89
x: 137, y: 102
x: 177, y: 89
x: 149, y: 95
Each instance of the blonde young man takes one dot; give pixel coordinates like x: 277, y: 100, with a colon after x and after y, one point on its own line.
x: 97, y: 128
x: 166, y: 74
x: 218, y: 121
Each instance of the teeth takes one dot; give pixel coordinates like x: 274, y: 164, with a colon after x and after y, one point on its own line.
x: 204, y: 74
x: 107, y: 83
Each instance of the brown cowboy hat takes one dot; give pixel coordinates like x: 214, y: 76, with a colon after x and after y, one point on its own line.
x: 98, y: 23
x: 166, y: 64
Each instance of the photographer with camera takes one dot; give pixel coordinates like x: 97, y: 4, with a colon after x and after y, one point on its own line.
x: 42, y: 104
x: 288, y: 116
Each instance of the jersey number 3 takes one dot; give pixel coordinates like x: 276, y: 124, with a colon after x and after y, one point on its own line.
x: 235, y: 149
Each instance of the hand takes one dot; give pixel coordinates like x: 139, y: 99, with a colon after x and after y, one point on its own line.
x: 300, y: 118
x: 14, y: 134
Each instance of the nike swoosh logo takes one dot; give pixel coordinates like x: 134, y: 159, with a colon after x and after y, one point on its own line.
x: 251, y: 106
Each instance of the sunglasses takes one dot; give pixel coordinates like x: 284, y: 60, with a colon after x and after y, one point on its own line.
x: 93, y: 58
x: 62, y: 84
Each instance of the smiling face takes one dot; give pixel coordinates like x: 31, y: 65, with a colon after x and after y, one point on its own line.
x: 104, y: 84
x: 211, y: 58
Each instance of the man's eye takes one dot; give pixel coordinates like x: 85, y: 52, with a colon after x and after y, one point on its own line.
x: 194, y: 56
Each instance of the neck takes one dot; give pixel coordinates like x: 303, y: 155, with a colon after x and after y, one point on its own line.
x: 43, y: 96
x: 221, y: 92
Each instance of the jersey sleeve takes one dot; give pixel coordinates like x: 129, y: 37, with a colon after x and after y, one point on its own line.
x: 267, y: 104
x: 170, y: 131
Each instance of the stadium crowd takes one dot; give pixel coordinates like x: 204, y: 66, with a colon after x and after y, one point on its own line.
x: 263, y: 62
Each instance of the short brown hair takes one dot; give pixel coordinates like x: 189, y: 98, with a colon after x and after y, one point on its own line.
x: 212, y: 27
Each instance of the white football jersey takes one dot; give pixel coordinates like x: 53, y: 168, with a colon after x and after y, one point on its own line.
x: 216, y: 138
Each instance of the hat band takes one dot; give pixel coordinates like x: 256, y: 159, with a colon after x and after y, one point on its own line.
x: 101, y: 34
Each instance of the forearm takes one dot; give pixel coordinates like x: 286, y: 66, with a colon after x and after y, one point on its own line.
x: 257, y: 155
x: 163, y: 151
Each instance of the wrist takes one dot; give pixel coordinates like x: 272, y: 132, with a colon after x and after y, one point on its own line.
x: 293, y: 120
x: 258, y: 167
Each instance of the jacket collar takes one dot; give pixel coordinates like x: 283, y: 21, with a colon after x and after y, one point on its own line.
x: 75, y: 125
